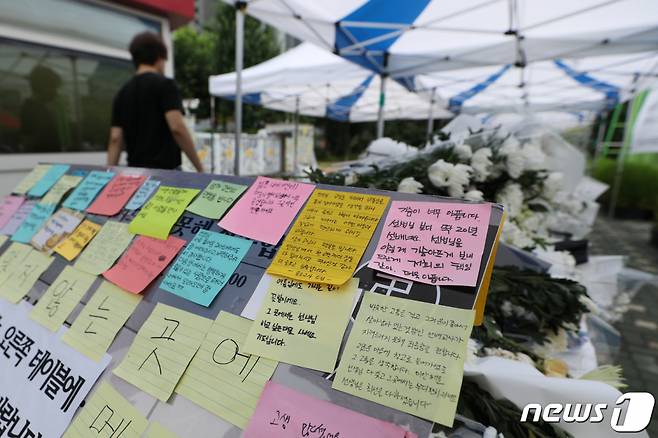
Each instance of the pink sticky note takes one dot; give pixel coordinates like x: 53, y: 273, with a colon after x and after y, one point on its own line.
x: 10, y: 205
x: 142, y: 262
x: 437, y: 243
x: 266, y: 210
x: 116, y: 194
x: 284, y: 413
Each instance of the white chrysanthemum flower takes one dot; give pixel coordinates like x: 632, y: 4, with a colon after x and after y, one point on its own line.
x: 534, y: 156
x: 410, y: 185
x: 506, y: 354
x: 513, y: 235
x: 472, y: 348
x: 553, y: 186
x: 439, y: 173
x: 481, y: 164
x: 511, y: 196
x: 451, y: 176
x: 514, y: 159
x: 474, y: 195
x: 463, y: 151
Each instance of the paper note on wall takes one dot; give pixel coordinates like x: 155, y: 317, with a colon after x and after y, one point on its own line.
x: 285, y: 413
x: 265, y: 211
x: 162, y: 350
x: 216, y: 198
x: 70, y: 247
x: 437, y: 243
x: 54, y: 173
x: 143, y: 262
x: 61, y: 187
x: 3, y: 239
x: 22, y: 277
x: 87, y: 190
x: 302, y: 323
x: 105, y: 248
x: 407, y: 355
x: 156, y: 430
x: 9, y: 207
x: 18, y: 218
x: 205, y: 266
x: 222, y: 378
x: 107, y: 414
x: 11, y: 258
x: 115, y: 195
x: 142, y: 194
x: 33, y: 222
x: 329, y: 237
x: 161, y: 212
x: 31, y: 179
x: 56, y: 228
x: 98, y: 323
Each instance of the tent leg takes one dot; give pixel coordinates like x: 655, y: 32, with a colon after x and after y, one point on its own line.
x: 295, y: 137
x: 240, y: 7
x: 382, y: 100
x: 430, y: 117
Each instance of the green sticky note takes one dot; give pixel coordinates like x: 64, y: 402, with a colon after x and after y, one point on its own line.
x: 162, y: 211
x: 95, y: 328
x: 407, y: 355
x: 105, y: 248
x: 31, y: 178
x: 11, y: 258
x: 222, y: 378
x: 61, y: 297
x: 215, y: 199
x: 61, y: 187
x: 23, y: 275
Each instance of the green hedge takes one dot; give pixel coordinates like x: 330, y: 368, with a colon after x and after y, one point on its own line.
x: 639, y: 188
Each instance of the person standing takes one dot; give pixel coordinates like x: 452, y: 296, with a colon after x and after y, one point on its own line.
x: 147, y: 113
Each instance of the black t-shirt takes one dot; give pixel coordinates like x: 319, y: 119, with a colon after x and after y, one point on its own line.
x: 139, y: 109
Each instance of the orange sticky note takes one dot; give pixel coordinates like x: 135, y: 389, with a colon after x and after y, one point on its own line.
x: 116, y: 194
x: 142, y: 262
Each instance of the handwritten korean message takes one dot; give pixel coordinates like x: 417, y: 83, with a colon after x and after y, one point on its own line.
x: 216, y: 198
x: 61, y: 297
x: 61, y: 187
x: 87, y: 190
x: 145, y: 259
x: 54, y: 173
x: 161, y: 212
x: 433, y: 242
x: 22, y: 276
x: 70, y: 247
x: 11, y: 258
x: 162, y: 350
x: 205, y: 266
x: 302, y: 323
x: 115, y: 195
x: 18, y: 218
x: 329, y: 237
x: 33, y: 222
x: 107, y: 414
x: 56, y: 228
x: 10, y: 205
x: 285, y: 413
x: 31, y: 179
x: 95, y: 328
x: 265, y: 211
x: 406, y: 355
x: 222, y: 378
x: 142, y: 194
x: 107, y: 246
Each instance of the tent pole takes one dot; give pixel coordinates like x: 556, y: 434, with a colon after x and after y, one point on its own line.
x: 621, y: 159
x: 430, y: 117
x: 240, y: 7
x: 380, y: 112
x: 295, y: 136
x: 213, y: 119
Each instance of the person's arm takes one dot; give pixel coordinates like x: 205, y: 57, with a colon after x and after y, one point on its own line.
x: 114, y: 146
x: 182, y: 136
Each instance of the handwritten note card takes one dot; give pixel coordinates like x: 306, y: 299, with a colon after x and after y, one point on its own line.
x: 61, y: 297
x: 70, y: 247
x: 33, y: 222
x: 407, y: 355
x: 107, y: 246
x: 61, y: 187
x: 107, y: 414
x: 142, y: 262
x: 18, y: 218
x: 87, y: 190
x: 115, y: 195
x: 285, y: 413
x: 23, y: 275
x: 142, y: 194
x: 54, y: 173
x: 329, y: 237
x: 216, y: 198
x: 161, y: 212
x: 162, y: 350
x: 95, y: 328
x: 11, y: 258
x: 56, y: 228
x: 302, y: 323
x: 224, y: 379
x: 205, y: 266
x: 433, y: 243
x: 31, y: 179
x: 9, y: 207
x: 266, y: 209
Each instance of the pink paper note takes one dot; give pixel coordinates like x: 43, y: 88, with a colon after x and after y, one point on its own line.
x: 285, y: 413
x: 116, y: 194
x: 18, y: 218
x: 142, y: 262
x: 266, y: 210
x: 437, y: 243
x: 10, y: 205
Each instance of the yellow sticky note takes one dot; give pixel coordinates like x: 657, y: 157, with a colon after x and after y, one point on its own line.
x: 222, y: 378
x: 95, y: 328
x: 162, y: 350
x: 105, y: 249
x: 3, y: 239
x: 157, y: 430
x: 162, y: 211
x: 62, y: 296
x: 63, y: 185
x: 107, y: 414
x: 12, y: 257
x: 302, y: 323
x: 407, y: 355
x: 23, y: 275
x: 31, y: 178
x: 70, y: 247
x: 329, y: 237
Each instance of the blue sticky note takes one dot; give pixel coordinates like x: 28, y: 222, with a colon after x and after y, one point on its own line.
x: 142, y: 194
x: 87, y: 190
x: 204, y: 266
x: 55, y: 172
x: 33, y: 222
